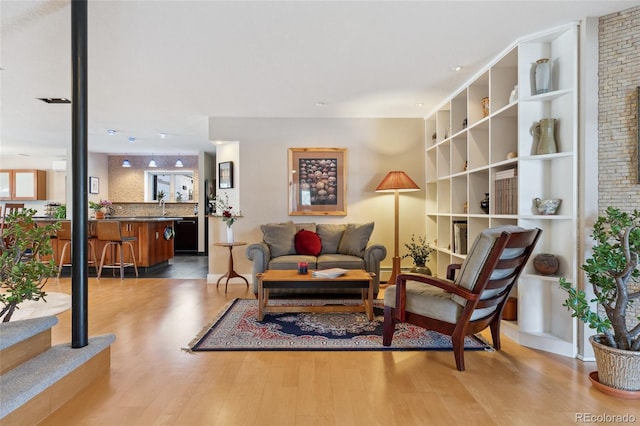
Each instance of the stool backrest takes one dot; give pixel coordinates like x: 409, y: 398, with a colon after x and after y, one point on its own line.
x: 108, y: 230
x: 64, y: 232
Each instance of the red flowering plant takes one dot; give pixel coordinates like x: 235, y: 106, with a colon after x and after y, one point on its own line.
x: 224, y: 210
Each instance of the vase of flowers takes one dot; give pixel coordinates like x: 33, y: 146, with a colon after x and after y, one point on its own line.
x: 100, y: 208
x: 225, y: 211
x: 419, y: 251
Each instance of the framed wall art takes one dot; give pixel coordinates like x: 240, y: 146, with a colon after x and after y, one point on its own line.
x: 317, y: 181
x: 638, y: 130
x: 225, y: 175
x: 94, y: 185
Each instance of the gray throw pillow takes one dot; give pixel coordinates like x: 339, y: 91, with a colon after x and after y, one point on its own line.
x: 330, y: 236
x: 355, y: 239
x: 280, y: 238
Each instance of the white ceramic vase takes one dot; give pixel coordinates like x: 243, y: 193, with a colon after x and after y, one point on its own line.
x: 229, y: 234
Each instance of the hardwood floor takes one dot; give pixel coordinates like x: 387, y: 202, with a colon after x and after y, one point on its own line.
x: 152, y: 381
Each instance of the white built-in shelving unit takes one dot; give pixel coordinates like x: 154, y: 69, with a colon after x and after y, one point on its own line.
x: 464, y: 149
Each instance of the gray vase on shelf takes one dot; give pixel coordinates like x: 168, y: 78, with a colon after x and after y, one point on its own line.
x: 543, y: 76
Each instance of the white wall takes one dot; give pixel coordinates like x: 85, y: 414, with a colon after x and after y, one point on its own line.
x: 374, y: 147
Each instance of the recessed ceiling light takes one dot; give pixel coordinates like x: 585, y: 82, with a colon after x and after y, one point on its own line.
x: 455, y: 68
x: 55, y: 100
x: 419, y: 104
x: 162, y: 135
x: 132, y: 139
x: 111, y: 132
x: 321, y: 103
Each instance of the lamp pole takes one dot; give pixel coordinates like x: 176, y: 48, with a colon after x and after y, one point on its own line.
x: 395, y: 269
x: 396, y: 181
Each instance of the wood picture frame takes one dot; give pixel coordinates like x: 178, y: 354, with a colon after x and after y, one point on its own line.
x: 317, y: 181
x: 94, y: 185
x: 225, y: 175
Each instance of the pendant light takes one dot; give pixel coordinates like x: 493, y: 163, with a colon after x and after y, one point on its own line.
x: 126, y: 163
x: 153, y: 163
x: 179, y: 162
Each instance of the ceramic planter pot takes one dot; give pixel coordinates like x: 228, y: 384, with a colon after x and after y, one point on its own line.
x: 617, y: 368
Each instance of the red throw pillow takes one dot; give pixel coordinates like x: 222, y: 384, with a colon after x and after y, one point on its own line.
x: 308, y: 243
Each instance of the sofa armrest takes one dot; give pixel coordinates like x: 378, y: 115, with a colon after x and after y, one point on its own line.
x: 260, y: 254
x: 374, y: 253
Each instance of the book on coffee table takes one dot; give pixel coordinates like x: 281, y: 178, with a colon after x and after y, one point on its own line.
x: 328, y: 273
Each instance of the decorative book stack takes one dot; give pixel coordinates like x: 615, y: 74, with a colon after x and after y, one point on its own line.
x: 506, y: 192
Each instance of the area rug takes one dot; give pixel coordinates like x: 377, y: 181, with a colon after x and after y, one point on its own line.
x: 237, y: 329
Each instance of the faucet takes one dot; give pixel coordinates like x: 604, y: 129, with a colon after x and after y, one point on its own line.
x: 161, y: 202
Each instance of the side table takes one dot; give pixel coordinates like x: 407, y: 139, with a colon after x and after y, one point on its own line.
x: 231, y: 273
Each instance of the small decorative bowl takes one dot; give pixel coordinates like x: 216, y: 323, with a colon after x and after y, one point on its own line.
x: 547, y: 207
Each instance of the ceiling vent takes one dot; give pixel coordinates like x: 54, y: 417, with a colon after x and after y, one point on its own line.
x: 55, y: 100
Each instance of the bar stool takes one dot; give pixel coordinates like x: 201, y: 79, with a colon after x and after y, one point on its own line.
x: 110, y: 231
x: 64, y: 233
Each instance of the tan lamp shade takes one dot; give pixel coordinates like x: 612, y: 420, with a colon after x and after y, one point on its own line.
x: 397, y: 181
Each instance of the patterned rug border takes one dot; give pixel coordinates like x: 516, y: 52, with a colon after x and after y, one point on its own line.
x: 483, y: 345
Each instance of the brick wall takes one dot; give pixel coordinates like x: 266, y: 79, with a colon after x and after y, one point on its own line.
x: 619, y: 76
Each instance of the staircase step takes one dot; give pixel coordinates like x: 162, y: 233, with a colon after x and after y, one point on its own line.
x: 23, y: 340
x: 36, y: 388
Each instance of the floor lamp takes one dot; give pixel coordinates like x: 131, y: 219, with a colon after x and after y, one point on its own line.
x: 396, y: 182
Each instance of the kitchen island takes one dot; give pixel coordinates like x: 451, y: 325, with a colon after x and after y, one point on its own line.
x: 154, y: 244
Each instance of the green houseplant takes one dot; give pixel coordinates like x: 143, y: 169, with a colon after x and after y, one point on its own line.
x: 23, y: 270
x: 612, y: 271
x: 419, y: 251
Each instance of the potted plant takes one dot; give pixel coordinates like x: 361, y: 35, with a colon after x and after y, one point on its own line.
x: 419, y: 251
x: 611, y: 270
x: 99, y: 208
x: 23, y: 268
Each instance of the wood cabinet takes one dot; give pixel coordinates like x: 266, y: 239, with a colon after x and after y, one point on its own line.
x: 150, y: 246
x: 468, y: 152
x: 23, y: 185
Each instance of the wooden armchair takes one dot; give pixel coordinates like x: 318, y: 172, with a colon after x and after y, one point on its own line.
x: 471, y: 303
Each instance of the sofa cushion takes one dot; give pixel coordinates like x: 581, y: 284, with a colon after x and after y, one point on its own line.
x: 355, y: 238
x: 327, y: 261
x: 291, y: 262
x: 330, y: 236
x: 308, y: 243
x: 309, y: 226
x: 280, y: 238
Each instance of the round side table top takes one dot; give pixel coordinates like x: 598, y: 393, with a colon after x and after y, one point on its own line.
x: 233, y: 244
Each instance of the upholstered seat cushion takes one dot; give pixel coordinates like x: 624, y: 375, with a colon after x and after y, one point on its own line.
x: 432, y: 302
x: 291, y: 261
x: 326, y: 261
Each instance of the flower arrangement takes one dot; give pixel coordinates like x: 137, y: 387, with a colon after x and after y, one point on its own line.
x: 96, y: 207
x: 419, y: 250
x: 225, y: 210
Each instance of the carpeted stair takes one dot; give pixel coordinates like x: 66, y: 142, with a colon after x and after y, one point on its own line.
x: 38, y: 378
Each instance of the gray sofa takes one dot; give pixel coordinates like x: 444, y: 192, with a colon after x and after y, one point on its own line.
x: 323, y: 246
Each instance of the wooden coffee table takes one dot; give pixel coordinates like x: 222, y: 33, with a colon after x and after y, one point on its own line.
x: 356, y: 278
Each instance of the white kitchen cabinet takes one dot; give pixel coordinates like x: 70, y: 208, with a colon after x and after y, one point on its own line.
x: 465, y: 150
